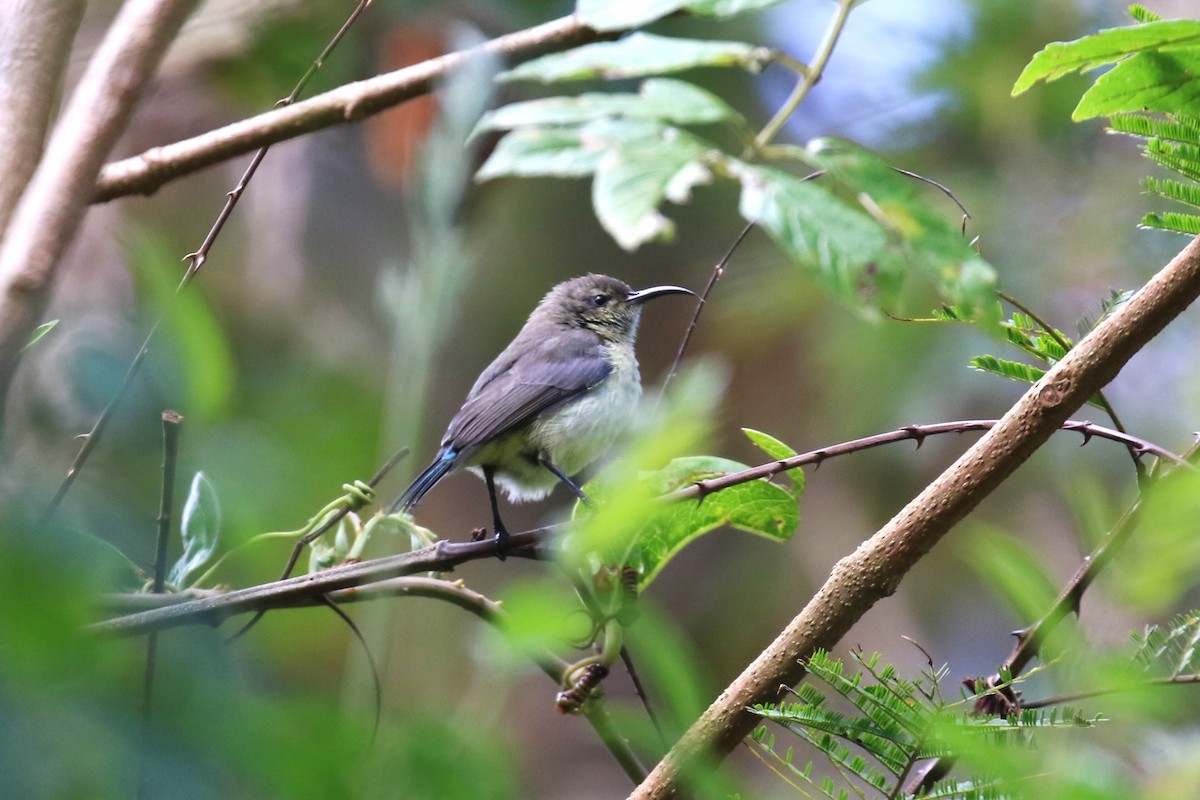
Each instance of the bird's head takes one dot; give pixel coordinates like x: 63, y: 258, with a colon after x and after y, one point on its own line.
x: 599, y: 303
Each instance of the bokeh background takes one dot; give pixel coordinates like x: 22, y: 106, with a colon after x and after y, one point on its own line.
x: 365, y: 280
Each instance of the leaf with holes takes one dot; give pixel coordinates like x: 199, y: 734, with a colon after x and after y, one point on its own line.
x: 633, y: 180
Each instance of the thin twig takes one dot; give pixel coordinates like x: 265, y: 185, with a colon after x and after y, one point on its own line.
x: 809, y: 77
x: 308, y: 539
x: 717, y: 272
x: 328, y: 602
x: 917, y: 433
x: 171, y: 422
x: 444, y: 555
x: 457, y: 594
x: 1168, y: 680
x: 196, y: 260
x: 1030, y: 638
x: 47, y: 217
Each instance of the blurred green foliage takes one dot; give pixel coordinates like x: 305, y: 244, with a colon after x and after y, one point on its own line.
x: 294, y: 379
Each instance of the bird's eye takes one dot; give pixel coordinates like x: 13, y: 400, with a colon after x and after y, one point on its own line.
x: 600, y: 300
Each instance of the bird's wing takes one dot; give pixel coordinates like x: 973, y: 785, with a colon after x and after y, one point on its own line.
x: 525, y: 381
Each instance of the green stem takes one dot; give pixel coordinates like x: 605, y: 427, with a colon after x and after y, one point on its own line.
x: 809, y: 77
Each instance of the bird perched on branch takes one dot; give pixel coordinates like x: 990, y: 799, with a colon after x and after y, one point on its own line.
x: 553, y: 402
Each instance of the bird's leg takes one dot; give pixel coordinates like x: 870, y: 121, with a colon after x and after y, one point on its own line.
x: 489, y: 475
x: 562, y: 476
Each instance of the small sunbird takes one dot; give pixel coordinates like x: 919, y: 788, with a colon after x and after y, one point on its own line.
x: 553, y: 402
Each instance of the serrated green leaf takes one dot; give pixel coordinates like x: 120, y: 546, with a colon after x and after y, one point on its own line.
x: 1157, y: 81
x: 811, y: 225
x: 551, y: 152
x: 756, y: 507
x: 638, y: 55
x: 1063, y: 58
x: 1183, y: 128
x: 661, y: 99
x: 1187, y: 193
x: 1180, y: 157
x: 38, y: 333
x: 1171, y: 221
x: 200, y: 529
x: 1142, y: 14
x: 633, y: 180
x: 1016, y: 371
x: 1007, y: 369
x: 778, y: 451
x: 616, y: 15
x: 917, y: 237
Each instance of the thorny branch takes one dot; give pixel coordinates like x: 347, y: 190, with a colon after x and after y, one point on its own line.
x: 212, y: 609
x: 877, y: 567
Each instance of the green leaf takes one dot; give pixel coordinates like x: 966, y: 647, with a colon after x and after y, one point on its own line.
x: 1142, y: 14
x: 727, y: 8
x: 1016, y: 371
x: 200, y: 352
x: 550, y: 152
x: 778, y: 451
x: 634, y: 179
x: 756, y: 507
x: 1160, y: 566
x: 1063, y: 58
x: 1187, y: 193
x: 1172, y: 221
x: 1015, y: 572
x: 1156, y: 81
x: 662, y: 99
x: 38, y: 333
x: 615, y: 15
x: 811, y: 225
x: 637, y: 55
x: 200, y: 528
x: 1182, y: 158
x: 922, y: 239
x: 1007, y: 369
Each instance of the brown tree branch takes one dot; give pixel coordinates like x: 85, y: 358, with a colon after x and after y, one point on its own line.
x: 875, y: 569
x: 45, y: 220
x: 145, y: 173
x: 35, y: 39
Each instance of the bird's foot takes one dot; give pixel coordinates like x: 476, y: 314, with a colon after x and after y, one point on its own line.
x: 501, y: 541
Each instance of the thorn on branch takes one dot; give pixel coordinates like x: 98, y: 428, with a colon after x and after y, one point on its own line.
x: 916, y: 434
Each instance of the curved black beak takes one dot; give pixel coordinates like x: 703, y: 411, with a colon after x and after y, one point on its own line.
x: 642, y: 295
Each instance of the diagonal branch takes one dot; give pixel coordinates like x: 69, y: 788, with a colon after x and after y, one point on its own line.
x: 44, y: 222
x: 145, y: 173
x: 876, y: 568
